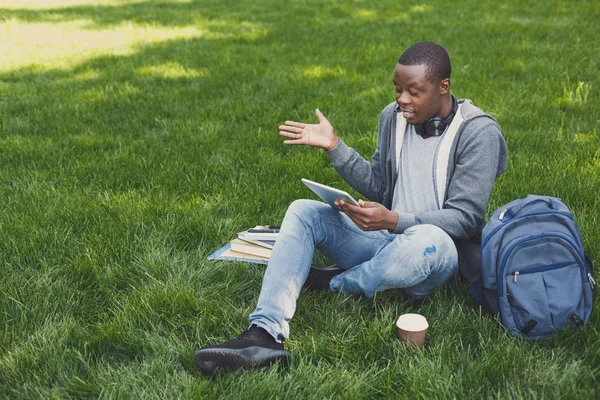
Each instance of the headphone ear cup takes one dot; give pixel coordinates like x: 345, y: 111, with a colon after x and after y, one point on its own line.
x: 435, y: 126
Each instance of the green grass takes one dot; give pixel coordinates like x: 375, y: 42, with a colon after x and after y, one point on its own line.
x: 136, y: 137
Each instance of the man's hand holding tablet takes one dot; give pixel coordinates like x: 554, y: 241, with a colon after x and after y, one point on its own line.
x: 367, y: 215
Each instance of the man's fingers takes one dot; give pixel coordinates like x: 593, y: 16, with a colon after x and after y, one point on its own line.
x: 320, y: 116
x: 368, y: 204
x: 351, y: 210
x: 300, y: 125
x: 291, y: 135
x: 287, y: 135
x: 290, y: 128
x: 296, y: 141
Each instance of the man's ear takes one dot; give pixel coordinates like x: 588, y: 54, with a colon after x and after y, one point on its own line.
x: 444, y: 86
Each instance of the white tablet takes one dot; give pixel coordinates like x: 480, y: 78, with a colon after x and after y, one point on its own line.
x: 329, y: 194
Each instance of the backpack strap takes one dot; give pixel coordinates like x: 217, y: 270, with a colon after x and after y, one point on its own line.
x: 528, y: 327
x: 576, y: 320
x: 588, y: 261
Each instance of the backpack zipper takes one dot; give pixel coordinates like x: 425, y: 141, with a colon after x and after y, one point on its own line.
x: 492, y: 233
x: 592, y: 280
x: 502, y: 214
x: 500, y: 277
x: 543, y: 268
x: 549, y: 201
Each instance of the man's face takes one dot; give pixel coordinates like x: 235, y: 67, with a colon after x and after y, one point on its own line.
x: 418, y: 98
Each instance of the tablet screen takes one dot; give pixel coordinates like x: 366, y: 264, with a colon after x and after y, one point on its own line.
x: 328, y: 194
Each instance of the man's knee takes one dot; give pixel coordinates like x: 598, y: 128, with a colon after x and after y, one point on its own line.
x: 430, y: 237
x: 426, y: 256
x: 424, y: 247
x: 303, y: 208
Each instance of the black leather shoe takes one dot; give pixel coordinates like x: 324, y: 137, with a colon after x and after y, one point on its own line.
x: 253, y: 349
x: 319, y: 278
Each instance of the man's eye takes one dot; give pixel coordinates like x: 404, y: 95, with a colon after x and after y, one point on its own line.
x: 413, y: 93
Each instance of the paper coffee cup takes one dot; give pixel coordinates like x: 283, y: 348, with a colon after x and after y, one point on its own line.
x: 412, y: 328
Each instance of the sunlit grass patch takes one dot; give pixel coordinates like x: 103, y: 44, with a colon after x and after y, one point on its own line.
x: 83, y: 76
x: 171, y: 70
x: 54, y: 4
x: 321, y: 71
x: 575, y: 94
x: 48, y: 4
x: 420, y: 8
x: 592, y: 138
x: 366, y: 14
x: 64, y: 45
x: 46, y: 45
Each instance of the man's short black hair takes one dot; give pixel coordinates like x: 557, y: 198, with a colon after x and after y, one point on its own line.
x: 433, y: 55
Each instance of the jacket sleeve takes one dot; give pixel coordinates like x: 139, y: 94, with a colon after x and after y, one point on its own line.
x: 480, y: 157
x: 367, y: 178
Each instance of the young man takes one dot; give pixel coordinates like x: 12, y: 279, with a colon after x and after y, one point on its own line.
x: 429, y: 182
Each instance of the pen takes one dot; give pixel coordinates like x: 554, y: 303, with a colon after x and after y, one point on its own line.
x: 263, y: 230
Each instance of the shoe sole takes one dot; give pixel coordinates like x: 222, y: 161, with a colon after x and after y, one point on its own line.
x: 211, y: 361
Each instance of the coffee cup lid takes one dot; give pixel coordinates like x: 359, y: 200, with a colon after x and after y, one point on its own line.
x: 412, y: 322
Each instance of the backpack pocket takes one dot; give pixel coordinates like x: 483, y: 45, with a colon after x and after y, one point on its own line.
x: 538, y: 297
x: 539, y: 302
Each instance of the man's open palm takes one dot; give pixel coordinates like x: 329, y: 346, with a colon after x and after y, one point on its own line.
x: 317, y: 135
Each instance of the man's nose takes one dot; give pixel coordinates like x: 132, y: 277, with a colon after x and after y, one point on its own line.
x: 402, y: 98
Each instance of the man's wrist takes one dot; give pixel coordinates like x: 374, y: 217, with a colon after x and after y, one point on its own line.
x: 333, y: 145
x: 393, y: 221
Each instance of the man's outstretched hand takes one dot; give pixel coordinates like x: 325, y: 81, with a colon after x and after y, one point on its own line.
x: 368, y: 215
x: 317, y: 135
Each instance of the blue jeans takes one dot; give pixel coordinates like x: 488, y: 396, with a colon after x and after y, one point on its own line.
x: 417, y: 261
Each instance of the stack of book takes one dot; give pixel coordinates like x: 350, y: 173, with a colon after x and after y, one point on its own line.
x: 254, y: 245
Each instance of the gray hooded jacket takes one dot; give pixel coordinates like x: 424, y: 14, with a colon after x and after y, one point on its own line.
x: 477, y: 157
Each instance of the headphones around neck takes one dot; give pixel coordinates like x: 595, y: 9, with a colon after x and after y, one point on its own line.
x: 436, y: 126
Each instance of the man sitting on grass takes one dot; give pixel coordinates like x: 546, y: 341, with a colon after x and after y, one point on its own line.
x: 429, y: 182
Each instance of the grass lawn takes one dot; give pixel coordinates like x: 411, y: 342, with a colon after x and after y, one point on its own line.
x: 136, y: 137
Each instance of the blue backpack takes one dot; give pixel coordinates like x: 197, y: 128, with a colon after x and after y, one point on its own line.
x: 534, y: 273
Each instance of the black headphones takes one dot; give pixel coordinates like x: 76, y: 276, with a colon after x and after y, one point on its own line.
x: 435, y: 126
